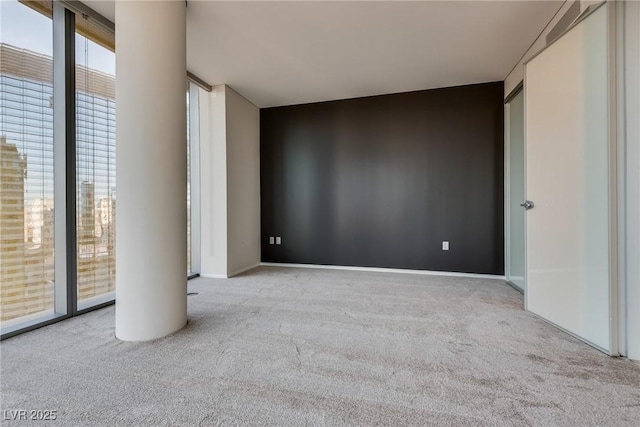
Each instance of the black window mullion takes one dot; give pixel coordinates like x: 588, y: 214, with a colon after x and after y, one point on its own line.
x: 70, y: 156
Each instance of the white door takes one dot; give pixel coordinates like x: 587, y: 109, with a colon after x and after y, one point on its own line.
x: 568, y: 169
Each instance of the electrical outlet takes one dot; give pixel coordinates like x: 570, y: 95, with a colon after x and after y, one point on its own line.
x: 271, y: 240
x: 278, y: 240
x: 445, y: 245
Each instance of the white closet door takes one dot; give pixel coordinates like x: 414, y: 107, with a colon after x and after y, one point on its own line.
x: 569, y: 281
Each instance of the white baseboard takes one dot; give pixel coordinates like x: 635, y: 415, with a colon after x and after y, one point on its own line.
x: 227, y: 276
x: 386, y: 270
x: 213, y: 276
x: 242, y: 270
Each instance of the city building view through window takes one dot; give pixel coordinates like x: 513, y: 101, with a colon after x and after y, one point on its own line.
x: 95, y: 161
x: 26, y: 163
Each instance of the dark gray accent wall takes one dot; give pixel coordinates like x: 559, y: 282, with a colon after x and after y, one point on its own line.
x: 383, y: 181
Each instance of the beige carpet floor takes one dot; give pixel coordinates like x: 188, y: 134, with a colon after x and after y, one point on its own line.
x: 281, y: 346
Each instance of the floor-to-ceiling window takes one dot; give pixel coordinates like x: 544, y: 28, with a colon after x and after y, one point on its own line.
x: 188, y: 186
x: 26, y: 163
x: 193, y: 180
x: 95, y: 162
x: 57, y: 126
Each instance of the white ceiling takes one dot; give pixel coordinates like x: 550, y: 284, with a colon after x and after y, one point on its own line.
x: 284, y: 53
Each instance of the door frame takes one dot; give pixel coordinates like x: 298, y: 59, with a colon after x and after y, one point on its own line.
x: 612, y: 107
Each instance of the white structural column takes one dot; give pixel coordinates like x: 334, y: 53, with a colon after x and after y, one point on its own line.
x: 151, y: 169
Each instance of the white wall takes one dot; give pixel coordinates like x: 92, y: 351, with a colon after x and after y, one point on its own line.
x: 629, y: 135
x: 213, y: 183
x: 230, y: 183
x: 243, y: 183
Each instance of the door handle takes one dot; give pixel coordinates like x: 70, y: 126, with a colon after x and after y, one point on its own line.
x: 527, y: 205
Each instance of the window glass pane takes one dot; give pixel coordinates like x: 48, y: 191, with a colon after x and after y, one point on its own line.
x: 188, y: 187
x: 95, y: 165
x: 26, y: 162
